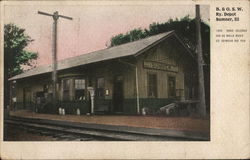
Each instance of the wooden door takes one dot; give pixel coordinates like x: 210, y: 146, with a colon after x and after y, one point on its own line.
x: 26, y: 97
x: 118, y: 96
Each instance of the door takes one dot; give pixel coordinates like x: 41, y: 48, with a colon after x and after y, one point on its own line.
x: 118, y: 94
x: 26, y: 97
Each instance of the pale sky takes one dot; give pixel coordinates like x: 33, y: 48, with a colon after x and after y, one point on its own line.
x: 91, y: 27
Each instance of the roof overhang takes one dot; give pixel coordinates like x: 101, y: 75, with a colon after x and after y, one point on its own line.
x: 144, y: 47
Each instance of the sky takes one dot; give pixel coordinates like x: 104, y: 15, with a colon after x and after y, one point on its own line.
x: 92, y: 26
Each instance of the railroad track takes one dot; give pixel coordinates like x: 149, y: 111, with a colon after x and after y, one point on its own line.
x: 89, y: 132
x: 55, y: 132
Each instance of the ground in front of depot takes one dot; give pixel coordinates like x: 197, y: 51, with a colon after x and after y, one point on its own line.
x: 157, y: 122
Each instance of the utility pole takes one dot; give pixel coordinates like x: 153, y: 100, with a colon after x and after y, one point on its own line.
x: 55, y: 17
x: 202, y: 102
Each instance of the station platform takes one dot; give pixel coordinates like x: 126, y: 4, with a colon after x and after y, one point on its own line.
x: 152, y: 122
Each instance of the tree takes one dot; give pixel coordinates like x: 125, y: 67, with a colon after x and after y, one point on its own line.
x: 15, y: 55
x: 184, y: 27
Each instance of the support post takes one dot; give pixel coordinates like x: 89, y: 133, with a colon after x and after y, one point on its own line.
x: 92, y: 97
x: 54, y: 57
x: 137, y: 91
x: 137, y: 84
x: 202, y: 102
x: 92, y: 105
x: 55, y: 17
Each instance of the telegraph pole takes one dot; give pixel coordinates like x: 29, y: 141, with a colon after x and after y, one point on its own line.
x: 202, y: 106
x: 55, y: 17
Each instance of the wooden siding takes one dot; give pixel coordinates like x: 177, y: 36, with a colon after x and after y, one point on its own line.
x: 168, y: 52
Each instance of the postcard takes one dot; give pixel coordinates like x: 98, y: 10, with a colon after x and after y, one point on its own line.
x: 125, y: 79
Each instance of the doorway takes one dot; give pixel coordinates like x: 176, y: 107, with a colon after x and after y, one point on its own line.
x: 118, y: 96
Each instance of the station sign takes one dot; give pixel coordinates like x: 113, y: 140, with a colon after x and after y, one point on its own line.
x: 160, y: 66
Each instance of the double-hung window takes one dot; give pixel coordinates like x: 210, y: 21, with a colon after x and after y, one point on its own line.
x: 152, y: 85
x: 171, y: 87
x: 80, y: 89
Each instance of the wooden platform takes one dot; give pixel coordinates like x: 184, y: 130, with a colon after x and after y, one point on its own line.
x: 157, y: 122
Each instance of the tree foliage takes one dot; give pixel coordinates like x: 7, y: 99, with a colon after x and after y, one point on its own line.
x: 15, y: 55
x: 184, y: 27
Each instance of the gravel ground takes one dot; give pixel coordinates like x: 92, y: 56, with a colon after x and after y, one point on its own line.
x: 15, y: 134
x: 12, y: 133
x: 160, y: 122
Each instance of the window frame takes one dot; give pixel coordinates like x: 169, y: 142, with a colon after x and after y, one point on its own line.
x: 168, y: 90
x: 75, y: 89
x: 154, y: 85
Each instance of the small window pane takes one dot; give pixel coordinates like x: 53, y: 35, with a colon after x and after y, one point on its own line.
x: 79, y: 83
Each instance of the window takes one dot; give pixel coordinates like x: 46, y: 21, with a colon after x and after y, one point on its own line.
x: 66, y: 87
x: 152, y: 86
x: 79, y: 89
x: 171, y: 87
x: 100, y: 87
x: 47, y: 88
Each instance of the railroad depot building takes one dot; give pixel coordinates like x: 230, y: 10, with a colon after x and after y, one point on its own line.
x: 150, y: 72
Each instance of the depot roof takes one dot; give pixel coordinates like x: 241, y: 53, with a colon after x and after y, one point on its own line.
x: 129, y: 49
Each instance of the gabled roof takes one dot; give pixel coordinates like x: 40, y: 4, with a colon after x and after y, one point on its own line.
x: 128, y: 49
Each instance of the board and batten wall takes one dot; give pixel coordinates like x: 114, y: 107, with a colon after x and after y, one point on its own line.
x: 169, y: 52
